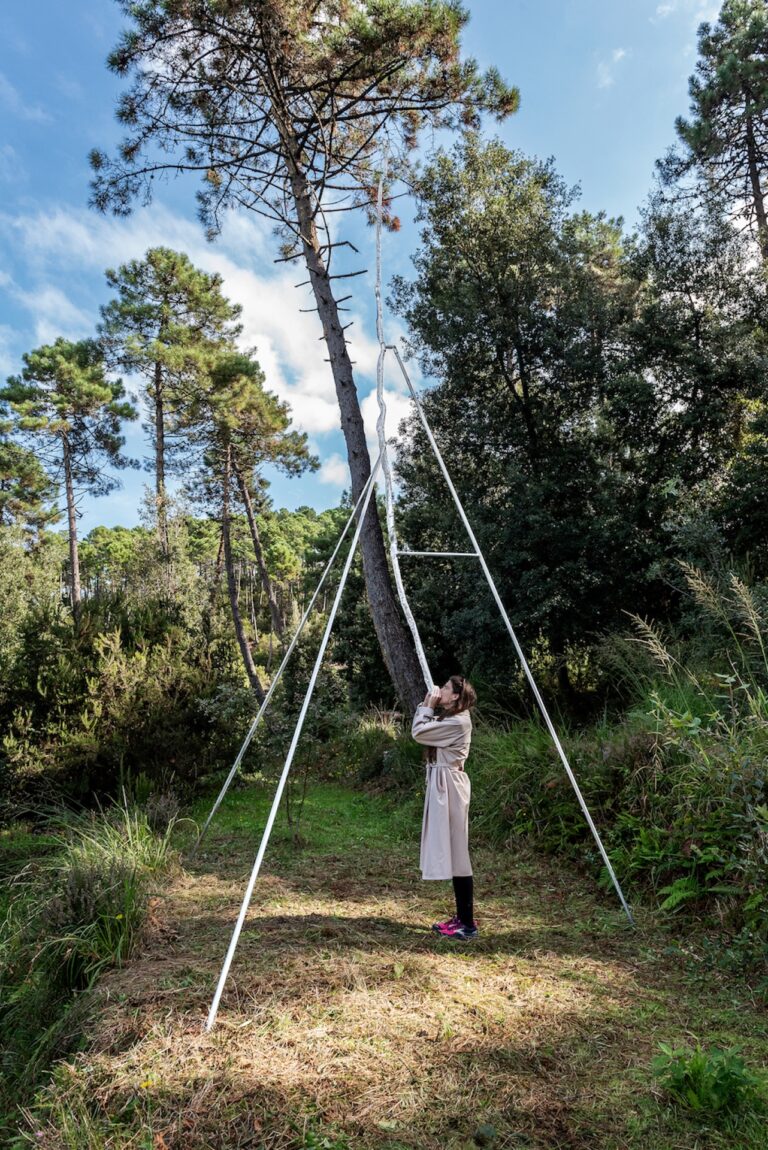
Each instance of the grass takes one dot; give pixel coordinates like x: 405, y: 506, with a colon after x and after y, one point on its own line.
x: 74, y: 903
x: 346, y: 1025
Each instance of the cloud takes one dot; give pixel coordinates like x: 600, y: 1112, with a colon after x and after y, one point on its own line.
x: 8, y: 362
x: 334, y: 470
x: 54, y: 314
x: 69, y: 87
x: 16, y: 105
x: 606, y: 69
x: 61, y: 244
x: 698, y: 10
x: 12, y: 170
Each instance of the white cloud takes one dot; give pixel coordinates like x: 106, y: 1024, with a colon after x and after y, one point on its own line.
x: 69, y: 87
x: 606, y: 69
x: 16, y: 105
x: 62, y: 243
x: 334, y: 470
x: 8, y: 361
x: 698, y: 10
x: 11, y: 168
x: 398, y: 404
x: 54, y: 313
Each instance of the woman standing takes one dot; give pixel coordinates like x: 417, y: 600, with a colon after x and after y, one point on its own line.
x: 443, y: 725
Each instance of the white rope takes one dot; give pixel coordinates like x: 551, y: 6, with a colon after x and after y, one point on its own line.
x: 513, y: 636
x: 281, y: 668
x: 289, y: 760
x: 384, y: 453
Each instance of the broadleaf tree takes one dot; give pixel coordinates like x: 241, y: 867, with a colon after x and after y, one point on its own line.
x: 286, y: 109
x: 587, y: 380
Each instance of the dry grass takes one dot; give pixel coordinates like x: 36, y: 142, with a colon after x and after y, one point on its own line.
x: 347, y: 1024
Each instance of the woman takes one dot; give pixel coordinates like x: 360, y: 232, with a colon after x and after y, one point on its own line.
x: 443, y: 725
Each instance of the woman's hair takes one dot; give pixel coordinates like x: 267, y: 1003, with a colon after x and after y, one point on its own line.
x: 467, y: 698
x: 466, y: 692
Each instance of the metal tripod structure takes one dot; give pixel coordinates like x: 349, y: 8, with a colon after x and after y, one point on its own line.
x: 395, y: 552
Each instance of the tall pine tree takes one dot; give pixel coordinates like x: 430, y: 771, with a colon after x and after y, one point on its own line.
x: 725, y: 139
x: 285, y: 109
x: 159, y: 326
x: 64, y: 404
x: 236, y: 426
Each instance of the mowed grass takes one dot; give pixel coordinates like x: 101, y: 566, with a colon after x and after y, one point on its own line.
x: 347, y: 1024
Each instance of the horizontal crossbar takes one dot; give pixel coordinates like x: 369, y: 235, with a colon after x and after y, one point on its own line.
x: 444, y: 554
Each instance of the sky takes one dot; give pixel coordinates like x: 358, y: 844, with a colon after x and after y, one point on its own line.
x: 601, y: 84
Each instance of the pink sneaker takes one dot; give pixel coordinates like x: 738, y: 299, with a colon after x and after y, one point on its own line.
x: 456, y: 929
x: 446, y: 927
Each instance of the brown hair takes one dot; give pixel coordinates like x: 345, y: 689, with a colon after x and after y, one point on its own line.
x: 467, y: 698
x: 466, y: 692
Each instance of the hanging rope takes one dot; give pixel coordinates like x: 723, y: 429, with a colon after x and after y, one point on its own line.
x: 383, y: 451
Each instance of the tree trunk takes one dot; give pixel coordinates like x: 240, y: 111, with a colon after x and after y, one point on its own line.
x: 266, y: 582
x: 74, y: 557
x: 757, y: 192
x: 394, y: 639
x: 242, y: 640
x: 160, y: 497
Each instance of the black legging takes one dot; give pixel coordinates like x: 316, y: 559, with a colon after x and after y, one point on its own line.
x: 462, y: 888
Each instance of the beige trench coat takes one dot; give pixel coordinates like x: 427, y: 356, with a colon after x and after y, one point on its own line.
x: 445, y: 828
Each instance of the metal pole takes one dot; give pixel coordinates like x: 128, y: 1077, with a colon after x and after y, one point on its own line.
x: 518, y: 648
x: 289, y: 759
x: 383, y: 451
x: 281, y: 668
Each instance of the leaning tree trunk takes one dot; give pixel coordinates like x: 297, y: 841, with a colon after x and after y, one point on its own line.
x: 226, y: 536
x: 758, y: 199
x: 274, y: 609
x: 394, y: 639
x: 74, y: 556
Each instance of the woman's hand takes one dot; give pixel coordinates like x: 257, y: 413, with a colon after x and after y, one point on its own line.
x: 432, y: 698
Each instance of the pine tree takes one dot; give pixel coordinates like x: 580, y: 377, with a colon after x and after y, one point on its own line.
x: 285, y: 109
x: 65, y: 405
x: 26, y: 492
x: 160, y: 326
x: 236, y: 426
x: 725, y: 140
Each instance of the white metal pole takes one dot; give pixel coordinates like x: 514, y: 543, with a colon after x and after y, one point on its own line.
x: 289, y: 759
x: 384, y: 452
x: 518, y: 648
x: 281, y: 668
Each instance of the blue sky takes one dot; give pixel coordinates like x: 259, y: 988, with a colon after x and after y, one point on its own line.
x: 601, y: 83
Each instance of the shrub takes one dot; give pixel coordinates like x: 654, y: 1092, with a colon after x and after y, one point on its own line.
x: 712, y: 1082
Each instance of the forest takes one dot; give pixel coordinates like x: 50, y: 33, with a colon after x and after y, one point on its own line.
x: 600, y: 395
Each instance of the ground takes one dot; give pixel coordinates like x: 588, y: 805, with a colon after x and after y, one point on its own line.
x: 346, y: 1023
